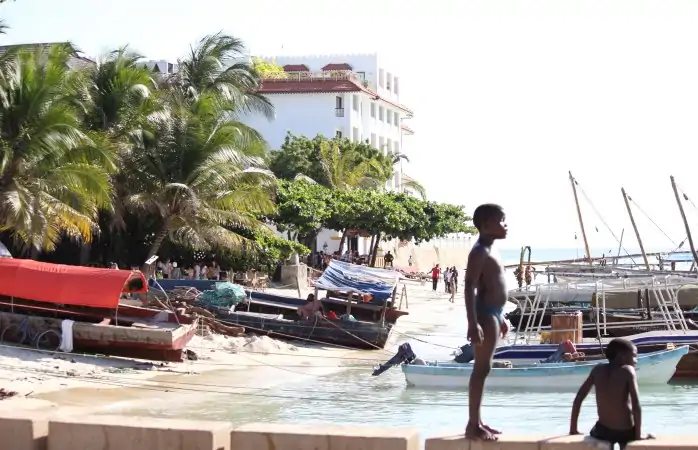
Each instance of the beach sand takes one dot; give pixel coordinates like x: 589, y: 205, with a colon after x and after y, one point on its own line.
x: 246, y: 364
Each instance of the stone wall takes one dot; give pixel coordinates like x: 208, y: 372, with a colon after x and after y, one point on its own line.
x: 56, y: 430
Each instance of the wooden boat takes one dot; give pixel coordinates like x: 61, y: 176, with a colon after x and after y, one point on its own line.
x: 344, y: 333
x: 652, y: 368
x: 84, y: 302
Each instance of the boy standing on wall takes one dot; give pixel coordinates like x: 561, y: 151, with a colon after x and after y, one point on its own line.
x: 485, y: 296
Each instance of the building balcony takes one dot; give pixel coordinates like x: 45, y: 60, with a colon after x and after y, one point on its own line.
x: 339, y: 112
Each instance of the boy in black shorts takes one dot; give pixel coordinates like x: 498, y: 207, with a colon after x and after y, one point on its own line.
x: 617, y: 398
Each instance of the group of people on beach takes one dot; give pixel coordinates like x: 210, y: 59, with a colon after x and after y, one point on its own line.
x: 615, y: 383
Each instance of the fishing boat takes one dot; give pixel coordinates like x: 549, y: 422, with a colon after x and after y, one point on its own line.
x: 652, y: 368
x: 662, y: 296
x: 80, y: 306
x: 359, y: 309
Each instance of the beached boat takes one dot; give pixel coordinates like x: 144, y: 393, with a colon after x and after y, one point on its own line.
x: 81, y: 305
x: 652, y: 368
x: 288, y: 326
x: 362, y: 319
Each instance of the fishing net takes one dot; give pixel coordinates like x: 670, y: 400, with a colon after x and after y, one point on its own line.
x: 223, y: 295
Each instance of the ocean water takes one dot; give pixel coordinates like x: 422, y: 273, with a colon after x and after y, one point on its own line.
x: 351, y: 396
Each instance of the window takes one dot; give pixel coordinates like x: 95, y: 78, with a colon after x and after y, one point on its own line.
x: 373, y: 110
x: 396, y: 147
x: 381, y: 78
x: 355, y: 134
x: 355, y: 102
x: 396, y: 119
x: 395, y: 85
x: 389, y: 117
x: 373, y: 140
x: 339, y: 107
x: 380, y: 113
x: 389, y: 147
x: 389, y: 84
x: 338, y: 134
x: 381, y: 144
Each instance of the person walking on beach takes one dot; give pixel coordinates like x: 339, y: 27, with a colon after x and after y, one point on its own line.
x: 435, y: 277
x: 454, y: 277
x: 617, y: 397
x: 447, y: 280
x: 485, y: 296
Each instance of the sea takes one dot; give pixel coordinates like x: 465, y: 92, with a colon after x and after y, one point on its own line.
x: 352, y: 396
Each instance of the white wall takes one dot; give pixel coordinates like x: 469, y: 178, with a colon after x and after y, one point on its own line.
x: 301, y: 114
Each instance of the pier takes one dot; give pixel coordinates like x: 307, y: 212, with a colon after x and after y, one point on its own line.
x: 55, y: 429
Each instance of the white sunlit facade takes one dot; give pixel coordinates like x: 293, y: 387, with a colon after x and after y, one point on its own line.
x: 351, y: 96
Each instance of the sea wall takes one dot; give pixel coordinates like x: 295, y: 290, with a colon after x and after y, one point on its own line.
x: 42, y: 430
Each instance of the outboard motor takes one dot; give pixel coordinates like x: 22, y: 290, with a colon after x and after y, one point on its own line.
x: 466, y: 354
x: 404, y: 355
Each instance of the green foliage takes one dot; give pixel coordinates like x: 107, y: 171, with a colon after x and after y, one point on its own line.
x: 302, y: 207
x: 306, y: 207
x: 336, y: 162
x: 268, y: 69
x: 262, y: 250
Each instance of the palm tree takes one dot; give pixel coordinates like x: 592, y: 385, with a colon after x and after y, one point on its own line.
x: 343, y: 170
x: 218, y: 63
x: 118, y: 98
x: 198, y: 173
x: 52, y: 177
x: 408, y: 183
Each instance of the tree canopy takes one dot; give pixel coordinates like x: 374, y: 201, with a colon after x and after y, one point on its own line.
x: 336, y: 162
x: 306, y: 207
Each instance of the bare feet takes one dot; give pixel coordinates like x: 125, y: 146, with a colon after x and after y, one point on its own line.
x: 489, y: 428
x: 479, y: 433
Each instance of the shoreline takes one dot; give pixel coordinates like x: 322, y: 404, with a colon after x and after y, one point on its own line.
x: 226, y: 366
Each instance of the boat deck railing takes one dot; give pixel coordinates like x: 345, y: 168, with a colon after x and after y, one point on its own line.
x: 663, y: 291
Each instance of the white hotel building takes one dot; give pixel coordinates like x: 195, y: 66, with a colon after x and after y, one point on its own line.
x: 352, y: 96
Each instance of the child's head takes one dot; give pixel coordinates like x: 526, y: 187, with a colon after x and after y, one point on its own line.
x: 621, y: 352
x: 489, y: 221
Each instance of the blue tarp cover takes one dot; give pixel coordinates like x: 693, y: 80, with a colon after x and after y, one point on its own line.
x: 341, y: 276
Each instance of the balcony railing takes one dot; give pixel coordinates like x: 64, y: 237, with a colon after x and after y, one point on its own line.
x: 339, y: 112
x: 333, y: 75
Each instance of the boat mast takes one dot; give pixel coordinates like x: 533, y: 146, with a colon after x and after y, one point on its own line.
x: 685, y: 222
x: 579, y: 216
x: 637, y: 233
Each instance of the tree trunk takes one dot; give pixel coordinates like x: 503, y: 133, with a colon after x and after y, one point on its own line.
x: 34, y: 253
x: 375, y: 250
x: 341, y: 242
x: 85, y: 250
x: 159, y: 238
x: 370, y: 248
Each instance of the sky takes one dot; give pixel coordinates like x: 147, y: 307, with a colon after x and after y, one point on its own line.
x: 508, y: 95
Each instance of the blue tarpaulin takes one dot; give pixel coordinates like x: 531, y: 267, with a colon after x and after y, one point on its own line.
x: 341, y: 276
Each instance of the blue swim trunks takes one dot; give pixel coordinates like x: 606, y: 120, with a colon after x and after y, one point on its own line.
x: 497, y: 312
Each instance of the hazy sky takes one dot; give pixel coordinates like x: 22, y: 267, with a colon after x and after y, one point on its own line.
x: 508, y: 95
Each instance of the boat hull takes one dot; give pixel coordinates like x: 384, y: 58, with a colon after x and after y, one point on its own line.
x: 359, y: 335
x: 527, y: 353
x: 652, y: 369
x: 143, y: 333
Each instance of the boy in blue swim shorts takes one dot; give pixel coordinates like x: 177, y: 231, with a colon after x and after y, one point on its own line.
x: 485, y: 297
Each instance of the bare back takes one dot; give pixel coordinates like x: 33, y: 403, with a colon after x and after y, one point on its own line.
x: 491, y: 285
x: 612, y: 385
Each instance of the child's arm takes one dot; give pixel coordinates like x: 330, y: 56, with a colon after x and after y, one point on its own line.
x: 635, y: 401
x: 584, y: 390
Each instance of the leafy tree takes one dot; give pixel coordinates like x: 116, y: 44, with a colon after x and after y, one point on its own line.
x: 218, y: 64
x: 195, y: 175
x: 268, y: 69
x: 302, y: 208
x: 53, y: 178
x: 336, y: 162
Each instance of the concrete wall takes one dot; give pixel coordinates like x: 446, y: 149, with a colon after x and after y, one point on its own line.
x: 53, y: 430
